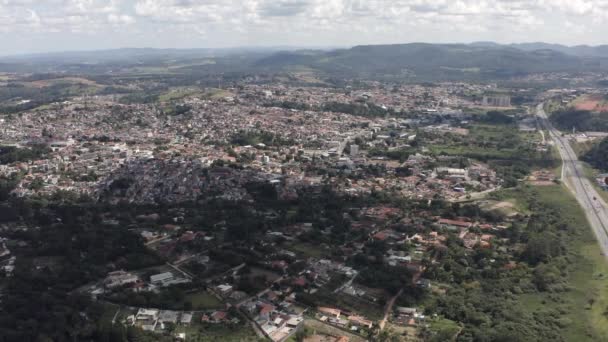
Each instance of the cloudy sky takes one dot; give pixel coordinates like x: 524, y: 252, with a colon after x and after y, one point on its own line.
x: 59, y: 25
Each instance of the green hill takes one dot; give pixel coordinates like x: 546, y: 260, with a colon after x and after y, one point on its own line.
x: 433, y: 61
x: 416, y: 61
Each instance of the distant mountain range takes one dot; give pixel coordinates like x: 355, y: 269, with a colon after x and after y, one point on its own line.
x: 577, y: 50
x: 480, y: 60
x: 438, y: 61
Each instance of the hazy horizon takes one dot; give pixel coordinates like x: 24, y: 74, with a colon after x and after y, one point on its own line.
x: 28, y: 26
x: 277, y: 47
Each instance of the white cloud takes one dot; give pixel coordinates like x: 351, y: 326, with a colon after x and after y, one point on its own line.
x: 304, y: 22
x: 120, y: 19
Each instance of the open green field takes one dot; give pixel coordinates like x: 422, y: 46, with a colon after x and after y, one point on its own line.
x: 203, y: 300
x: 473, y: 152
x: 109, y: 310
x: 552, y: 106
x: 183, y: 92
x: 444, y: 329
x: 361, y: 306
x: 583, y: 147
x: 507, y: 207
x: 215, y: 93
x: 556, y: 156
x: 583, y: 308
x: 488, y: 132
x: 321, y: 328
x: 177, y: 94
x: 482, y: 143
x: 365, y: 308
x: 219, y: 332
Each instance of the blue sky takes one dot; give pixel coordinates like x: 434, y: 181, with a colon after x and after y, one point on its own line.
x: 28, y: 26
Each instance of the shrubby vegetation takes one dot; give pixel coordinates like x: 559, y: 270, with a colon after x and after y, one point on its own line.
x: 598, y: 156
x: 582, y: 120
x: 7, y: 184
x: 507, y: 150
x: 14, y: 92
x: 70, y: 248
x: 487, y: 297
x: 11, y: 154
x: 243, y: 138
x: 358, y: 109
x: 497, y: 118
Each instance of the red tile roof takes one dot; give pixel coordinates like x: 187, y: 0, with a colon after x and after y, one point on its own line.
x: 381, y: 236
x: 455, y: 223
x: 266, y: 309
x: 219, y: 315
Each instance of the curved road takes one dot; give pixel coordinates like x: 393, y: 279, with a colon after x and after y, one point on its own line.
x: 573, y: 176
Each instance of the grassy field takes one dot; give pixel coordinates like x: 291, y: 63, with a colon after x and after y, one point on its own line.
x: 370, y: 310
x: 507, y: 207
x: 323, y: 297
x: 219, y: 332
x: 581, y: 148
x: 556, y: 156
x: 444, y: 329
x: 182, y: 92
x: 472, y: 151
x: 178, y: 93
x: 109, y: 310
x: 583, y: 308
x: 324, y: 329
x: 215, y: 93
x: 203, y: 300
x: 489, y: 134
x: 405, y: 334
x: 552, y: 106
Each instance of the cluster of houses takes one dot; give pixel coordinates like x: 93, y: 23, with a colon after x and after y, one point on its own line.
x: 90, y: 153
x: 156, y: 320
x: 120, y: 279
x: 277, y: 318
x: 421, y: 179
x: 343, y: 319
x: 469, y: 238
x: 407, y: 316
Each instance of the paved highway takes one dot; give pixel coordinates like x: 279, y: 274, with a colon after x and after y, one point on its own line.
x: 573, y: 176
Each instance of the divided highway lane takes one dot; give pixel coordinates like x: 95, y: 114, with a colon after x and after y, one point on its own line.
x: 573, y: 176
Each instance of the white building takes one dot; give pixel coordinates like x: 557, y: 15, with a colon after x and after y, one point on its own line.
x: 224, y: 289
x: 162, y: 278
x: 120, y: 278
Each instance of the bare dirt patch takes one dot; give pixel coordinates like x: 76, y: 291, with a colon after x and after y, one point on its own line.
x: 502, y: 205
x: 507, y: 208
x: 542, y: 178
x: 320, y: 338
x: 50, y: 82
x: 592, y: 103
